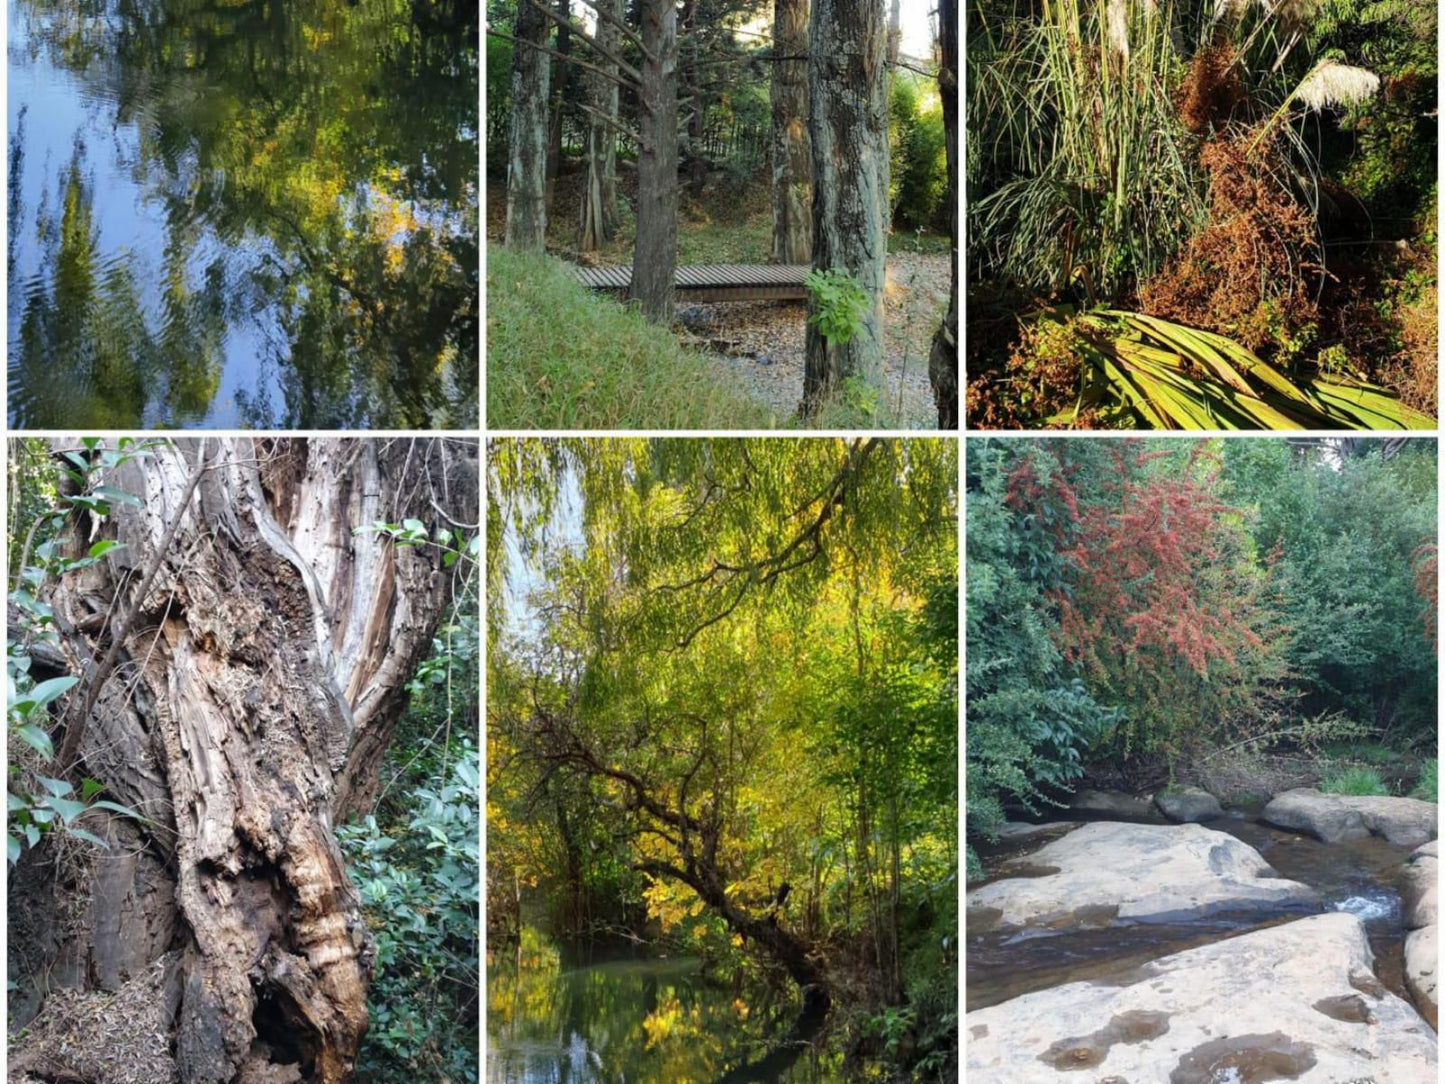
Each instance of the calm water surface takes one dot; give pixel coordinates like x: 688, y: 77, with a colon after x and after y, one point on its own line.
x: 565, y: 1015
x: 243, y: 213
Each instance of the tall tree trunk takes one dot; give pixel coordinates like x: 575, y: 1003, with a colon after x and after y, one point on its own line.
x: 599, y: 198
x: 527, y: 153
x: 654, y: 255
x: 790, y: 146
x: 259, y: 681
x: 943, y: 355
x: 561, y: 72
x: 849, y: 125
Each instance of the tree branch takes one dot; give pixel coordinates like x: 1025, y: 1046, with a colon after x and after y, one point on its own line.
x: 627, y: 31
x: 619, y: 128
x: 613, y: 76
x: 622, y: 65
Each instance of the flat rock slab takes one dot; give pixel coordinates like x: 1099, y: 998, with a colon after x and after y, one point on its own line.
x: 1295, y: 1002
x: 1334, y: 818
x: 1108, y: 871
x: 1012, y: 831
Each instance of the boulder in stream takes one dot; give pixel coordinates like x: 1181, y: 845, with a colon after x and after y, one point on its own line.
x: 1420, y: 893
x: 1108, y: 872
x: 1406, y: 822
x: 1188, y: 804
x: 1298, y: 1001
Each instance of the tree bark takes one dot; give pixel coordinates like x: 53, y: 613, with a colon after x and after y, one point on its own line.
x: 849, y: 126
x: 527, y: 158
x: 654, y: 255
x: 790, y: 145
x: 255, y: 691
x: 943, y: 355
x: 599, y: 199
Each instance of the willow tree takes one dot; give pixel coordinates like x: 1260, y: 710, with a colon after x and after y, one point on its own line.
x: 527, y: 148
x: 790, y: 147
x: 241, y: 655
x: 848, y: 103
x: 673, y: 644
x: 943, y: 354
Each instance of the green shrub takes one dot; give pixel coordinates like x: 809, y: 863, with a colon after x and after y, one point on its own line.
x: 560, y: 357
x: 1425, y: 787
x: 1354, y: 781
x: 419, y: 885
x: 839, y: 304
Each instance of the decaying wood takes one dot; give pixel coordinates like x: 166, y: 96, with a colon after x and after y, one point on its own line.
x: 252, y: 698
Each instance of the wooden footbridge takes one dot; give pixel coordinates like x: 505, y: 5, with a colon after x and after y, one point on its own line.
x: 713, y: 281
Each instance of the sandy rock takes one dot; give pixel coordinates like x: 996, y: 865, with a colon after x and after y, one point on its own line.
x: 1333, y: 818
x: 1407, y: 822
x: 1109, y: 871
x: 1422, y: 971
x: 1321, y: 815
x: 1419, y: 889
x: 1188, y: 804
x: 1113, y: 804
x: 1296, y: 1002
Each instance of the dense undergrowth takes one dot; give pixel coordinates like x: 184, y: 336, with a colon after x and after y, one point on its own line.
x: 1247, y: 615
x: 1265, y: 173
x: 414, y: 861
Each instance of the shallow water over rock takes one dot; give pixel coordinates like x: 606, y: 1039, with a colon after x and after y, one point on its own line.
x: 1360, y: 877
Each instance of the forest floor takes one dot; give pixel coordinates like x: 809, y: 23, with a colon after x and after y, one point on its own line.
x: 766, y: 339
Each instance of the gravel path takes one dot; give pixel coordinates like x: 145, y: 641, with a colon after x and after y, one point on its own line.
x: 767, y: 339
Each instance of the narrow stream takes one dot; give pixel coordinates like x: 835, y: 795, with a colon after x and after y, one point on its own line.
x: 1361, y: 877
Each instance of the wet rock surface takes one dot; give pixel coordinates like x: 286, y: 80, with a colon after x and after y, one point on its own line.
x: 1111, y: 872
x: 1111, y: 803
x: 1297, y: 1001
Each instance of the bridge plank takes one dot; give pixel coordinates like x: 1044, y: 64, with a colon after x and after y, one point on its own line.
x: 712, y: 282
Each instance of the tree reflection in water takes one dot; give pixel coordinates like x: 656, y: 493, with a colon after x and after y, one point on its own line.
x: 243, y: 212
x: 560, y: 1014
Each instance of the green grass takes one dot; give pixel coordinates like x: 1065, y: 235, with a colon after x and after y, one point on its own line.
x: 1355, y: 781
x: 560, y: 357
x: 1425, y: 787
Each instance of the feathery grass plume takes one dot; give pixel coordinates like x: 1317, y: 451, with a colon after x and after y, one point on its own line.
x: 1331, y: 83
x: 1118, y: 18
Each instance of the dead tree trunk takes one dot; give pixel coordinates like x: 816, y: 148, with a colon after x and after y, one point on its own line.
x: 791, y: 148
x: 527, y: 158
x: 849, y: 125
x: 257, y: 684
x: 654, y: 256
x: 943, y: 355
x: 599, y: 198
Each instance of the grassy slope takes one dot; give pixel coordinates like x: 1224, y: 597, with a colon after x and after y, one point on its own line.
x: 560, y: 357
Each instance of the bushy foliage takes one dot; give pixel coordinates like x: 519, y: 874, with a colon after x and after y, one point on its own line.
x: 1030, y: 716
x: 1165, y: 608
x: 839, y: 303
x: 419, y: 887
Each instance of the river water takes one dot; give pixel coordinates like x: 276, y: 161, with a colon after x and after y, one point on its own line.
x: 1359, y: 876
x: 231, y: 213
x: 595, y: 1014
